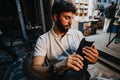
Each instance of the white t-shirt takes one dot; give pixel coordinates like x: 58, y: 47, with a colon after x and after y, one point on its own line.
x: 56, y: 47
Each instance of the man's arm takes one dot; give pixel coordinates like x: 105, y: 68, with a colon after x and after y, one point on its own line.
x: 71, y: 62
x: 38, y: 68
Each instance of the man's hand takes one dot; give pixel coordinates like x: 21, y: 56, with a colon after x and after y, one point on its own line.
x: 91, y: 54
x: 74, y: 62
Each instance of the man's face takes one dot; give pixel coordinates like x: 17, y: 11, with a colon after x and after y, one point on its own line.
x: 64, y: 21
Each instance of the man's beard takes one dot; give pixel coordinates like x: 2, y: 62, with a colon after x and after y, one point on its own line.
x: 61, y: 27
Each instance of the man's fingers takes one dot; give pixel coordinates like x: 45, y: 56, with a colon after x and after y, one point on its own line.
x: 91, y: 54
x: 78, y: 56
x: 75, y: 62
x: 74, y: 67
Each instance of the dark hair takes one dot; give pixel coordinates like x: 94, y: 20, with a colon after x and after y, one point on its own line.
x: 63, y: 6
x: 112, y: 3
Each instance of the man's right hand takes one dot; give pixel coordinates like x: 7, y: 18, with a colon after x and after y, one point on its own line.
x: 74, y: 62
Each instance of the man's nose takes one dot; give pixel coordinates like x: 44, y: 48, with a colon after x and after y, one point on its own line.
x: 70, y: 22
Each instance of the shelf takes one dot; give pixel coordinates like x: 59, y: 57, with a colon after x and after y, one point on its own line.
x: 86, y: 29
x: 82, y: 8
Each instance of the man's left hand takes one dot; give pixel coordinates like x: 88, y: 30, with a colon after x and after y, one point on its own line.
x: 91, y: 54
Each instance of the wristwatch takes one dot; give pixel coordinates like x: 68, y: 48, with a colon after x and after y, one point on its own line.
x: 52, y: 69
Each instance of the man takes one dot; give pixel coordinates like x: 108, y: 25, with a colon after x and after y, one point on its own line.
x: 109, y: 16
x: 57, y: 47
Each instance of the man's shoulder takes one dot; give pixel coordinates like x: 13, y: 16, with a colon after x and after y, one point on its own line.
x: 107, y: 8
x: 44, y: 35
x: 75, y: 32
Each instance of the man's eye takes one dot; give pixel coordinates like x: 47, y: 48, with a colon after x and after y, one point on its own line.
x: 67, y: 17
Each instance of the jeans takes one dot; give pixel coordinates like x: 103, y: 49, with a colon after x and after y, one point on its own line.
x: 71, y: 75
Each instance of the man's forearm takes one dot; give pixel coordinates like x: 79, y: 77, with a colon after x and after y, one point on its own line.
x: 41, y: 71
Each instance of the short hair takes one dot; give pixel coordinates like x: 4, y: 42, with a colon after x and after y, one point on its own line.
x: 112, y: 3
x: 63, y: 6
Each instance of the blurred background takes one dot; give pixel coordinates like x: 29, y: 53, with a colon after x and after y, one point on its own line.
x: 23, y: 21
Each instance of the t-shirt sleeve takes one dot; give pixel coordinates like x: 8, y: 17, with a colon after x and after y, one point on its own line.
x: 40, y: 47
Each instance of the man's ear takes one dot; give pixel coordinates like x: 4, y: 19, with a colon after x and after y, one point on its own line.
x: 55, y: 17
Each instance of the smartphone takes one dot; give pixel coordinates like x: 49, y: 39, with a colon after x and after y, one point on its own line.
x: 82, y: 44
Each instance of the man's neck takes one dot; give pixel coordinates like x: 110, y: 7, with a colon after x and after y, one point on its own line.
x: 58, y: 32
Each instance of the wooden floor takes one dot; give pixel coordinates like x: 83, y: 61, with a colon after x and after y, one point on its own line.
x: 101, y: 40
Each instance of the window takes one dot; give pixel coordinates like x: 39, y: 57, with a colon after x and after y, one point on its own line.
x: 99, y: 0
x: 105, y: 1
x: 110, y: 1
